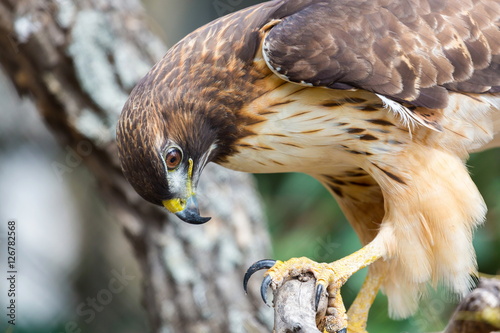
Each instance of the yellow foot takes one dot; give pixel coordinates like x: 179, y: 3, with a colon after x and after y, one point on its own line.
x: 280, y: 271
x: 326, y: 277
x: 329, y: 277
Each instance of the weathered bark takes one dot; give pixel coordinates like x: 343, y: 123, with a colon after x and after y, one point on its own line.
x: 78, y: 60
x: 295, y: 306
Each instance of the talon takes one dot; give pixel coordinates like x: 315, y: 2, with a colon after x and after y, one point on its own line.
x: 319, y: 291
x: 261, y: 264
x: 344, y: 330
x: 263, y: 288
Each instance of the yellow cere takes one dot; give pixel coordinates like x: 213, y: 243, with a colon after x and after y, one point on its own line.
x: 174, y: 205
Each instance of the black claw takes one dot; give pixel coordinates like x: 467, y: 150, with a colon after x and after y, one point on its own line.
x: 263, y: 288
x: 319, y: 292
x: 344, y: 330
x: 261, y: 264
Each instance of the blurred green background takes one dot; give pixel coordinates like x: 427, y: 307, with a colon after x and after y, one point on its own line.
x: 71, y: 247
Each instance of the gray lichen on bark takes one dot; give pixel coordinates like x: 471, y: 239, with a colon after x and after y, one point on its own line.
x: 92, y: 44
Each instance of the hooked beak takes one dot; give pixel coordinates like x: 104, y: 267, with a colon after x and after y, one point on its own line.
x: 186, y: 209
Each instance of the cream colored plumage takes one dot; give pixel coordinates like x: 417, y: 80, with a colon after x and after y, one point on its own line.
x: 429, y: 214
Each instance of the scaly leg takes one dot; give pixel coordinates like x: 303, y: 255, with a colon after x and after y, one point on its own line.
x: 358, y: 312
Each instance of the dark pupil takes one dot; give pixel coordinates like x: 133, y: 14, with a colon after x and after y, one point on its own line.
x: 173, y: 159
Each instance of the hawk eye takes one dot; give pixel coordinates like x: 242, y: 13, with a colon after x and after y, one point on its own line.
x: 173, y: 158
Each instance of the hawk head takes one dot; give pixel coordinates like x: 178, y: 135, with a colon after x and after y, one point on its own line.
x: 164, y: 142
x: 187, y: 111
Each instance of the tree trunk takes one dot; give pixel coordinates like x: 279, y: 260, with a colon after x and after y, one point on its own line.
x: 78, y: 60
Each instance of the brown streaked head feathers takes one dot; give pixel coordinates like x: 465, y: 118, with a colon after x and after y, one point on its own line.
x: 213, y: 64
x: 145, y: 136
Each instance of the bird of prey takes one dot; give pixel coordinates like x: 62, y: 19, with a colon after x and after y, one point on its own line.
x: 379, y: 100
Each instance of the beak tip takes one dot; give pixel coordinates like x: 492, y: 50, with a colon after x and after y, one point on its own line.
x: 187, y: 211
x: 192, y: 217
x: 205, y: 219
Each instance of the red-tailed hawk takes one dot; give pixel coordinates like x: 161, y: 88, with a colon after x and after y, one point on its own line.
x: 379, y: 100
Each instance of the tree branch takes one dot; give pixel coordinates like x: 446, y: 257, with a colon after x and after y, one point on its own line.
x: 294, y: 309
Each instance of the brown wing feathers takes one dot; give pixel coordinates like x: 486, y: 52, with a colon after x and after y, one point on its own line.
x: 413, y: 51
